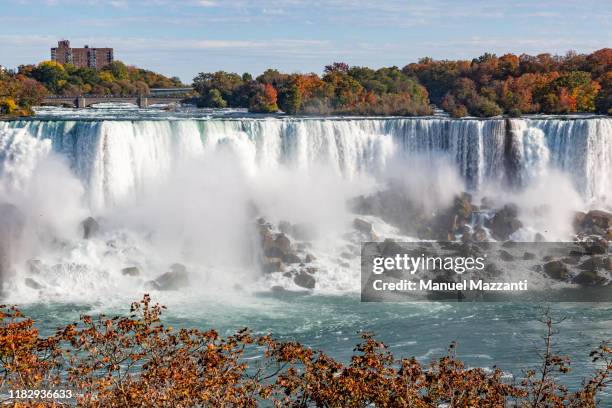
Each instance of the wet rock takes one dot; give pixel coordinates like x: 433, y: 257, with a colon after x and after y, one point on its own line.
x: 346, y: 255
x: 596, y: 263
x: 595, y: 222
x: 131, y: 271
x: 271, y: 265
x: 596, y: 246
x: 556, y: 270
x: 599, y: 218
x: 274, y: 252
x: 34, y: 266
x: 363, y: 226
x: 493, y: 270
x: 283, y: 243
x: 309, y: 258
x: 389, y: 247
x: 90, y: 227
x: 539, y: 237
x: 31, y: 283
x: 506, y: 256
x: 589, y: 278
x: 304, y: 280
x: 571, y: 260
x: 505, y: 222
x: 528, y: 256
x: 578, y: 221
x: 463, y: 206
x: 480, y: 234
x: 174, y: 279
x: 291, y: 258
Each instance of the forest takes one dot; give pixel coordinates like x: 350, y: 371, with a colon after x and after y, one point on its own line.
x: 28, y: 86
x: 485, y: 86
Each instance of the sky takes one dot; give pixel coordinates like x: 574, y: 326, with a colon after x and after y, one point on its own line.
x: 184, y: 37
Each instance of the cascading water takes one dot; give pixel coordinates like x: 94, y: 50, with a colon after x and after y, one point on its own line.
x: 178, y: 189
x: 116, y: 160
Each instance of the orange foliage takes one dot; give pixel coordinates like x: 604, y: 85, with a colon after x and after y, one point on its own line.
x: 136, y: 361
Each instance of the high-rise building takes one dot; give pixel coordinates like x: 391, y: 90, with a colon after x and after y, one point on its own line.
x: 81, y: 57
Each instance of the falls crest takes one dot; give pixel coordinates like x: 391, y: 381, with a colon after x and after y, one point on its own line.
x: 118, y: 160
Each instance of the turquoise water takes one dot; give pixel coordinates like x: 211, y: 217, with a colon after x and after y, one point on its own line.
x: 502, y: 334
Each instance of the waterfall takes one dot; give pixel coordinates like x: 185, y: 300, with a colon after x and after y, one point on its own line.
x: 118, y: 160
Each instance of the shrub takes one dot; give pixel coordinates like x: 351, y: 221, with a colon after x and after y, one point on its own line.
x: 136, y: 361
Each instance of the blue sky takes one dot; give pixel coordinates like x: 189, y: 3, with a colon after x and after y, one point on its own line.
x: 184, y: 37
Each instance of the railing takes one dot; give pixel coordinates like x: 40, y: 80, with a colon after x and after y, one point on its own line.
x: 87, y: 96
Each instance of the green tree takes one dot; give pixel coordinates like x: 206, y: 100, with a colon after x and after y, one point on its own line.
x: 215, y: 100
x: 118, y: 69
x: 290, y: 99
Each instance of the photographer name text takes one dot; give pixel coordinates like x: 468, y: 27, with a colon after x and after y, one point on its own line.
x: 405, y: 285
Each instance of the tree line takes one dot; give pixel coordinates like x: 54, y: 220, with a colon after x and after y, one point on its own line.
x: 485, y: 86
x: 28, y: 86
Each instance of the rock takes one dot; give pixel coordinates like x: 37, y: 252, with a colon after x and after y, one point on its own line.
x: 175, y: 279
x: 596, y: 263
x: 479, y: 234
x: 504, y: 223
x: 363, y: 226
x: 90, y: 227
x: 274, y: 252
x: 283, y: 243
x: 506, y: 256
x: 291, y: 258
x: 595, y: 222
x: 597, y: 246
x: 578, y: 221
x: 389, y: 248
x: 311, y: 269
x: 130, y: 271
x: 509, y: 244
x: 31, y: 283
x: 34, y: 266
x: 589, y: 278
x: 571, y: 260
x: 309, y: 258
x: 599, y: 218
x: 305, y: 280
x: 539, y: 237
x: 271, y: 265
x: 556, y: 270
x: 463, y: 206
x: 528, y: 256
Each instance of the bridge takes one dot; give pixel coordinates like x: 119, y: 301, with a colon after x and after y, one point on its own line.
x: 85, y: 101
